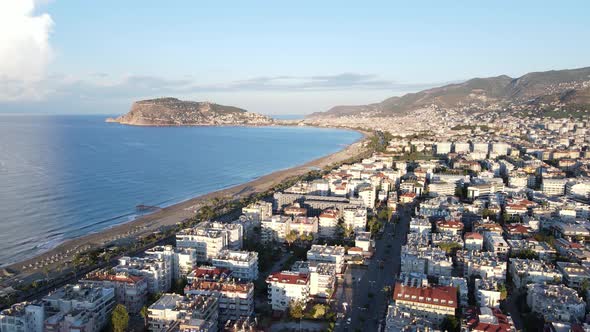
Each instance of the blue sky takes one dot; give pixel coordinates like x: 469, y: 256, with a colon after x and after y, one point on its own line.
x: 274, y: 58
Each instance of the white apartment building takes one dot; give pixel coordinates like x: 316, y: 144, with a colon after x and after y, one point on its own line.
x: 355, y: 218
x: 460, y: 284
x: 243, y: 264
x: 473, y: 241
x: 443, y: 148
x: 23, y: 317
x: 171, y: 311
x: 304, y: 225
x: 363, y: 241
x: 207, y: 242
x: 542, y: 249
x: 437, y: 262
x: 579, y: 190
x: 182, y: 260
x: 156, y: 271
x: 482, y: 147
x: 496, y: 244
x: 234, y: 232
x: 462, y: 147
x: 526, y: 271
x: 236, y: 298
x: 574, y: 274
x: 368, y: 194
x: 488, y: 293
x: 328, y: 223
x: 322, y: 279
x: 275, y: 229
x: 130, y: 291
x: 78, y: 308
x: 556, y: 302
x: 285, y: 287
x: 420, y: 225
x: 258, y: 211
x: 482, y: 264
x: 441, y: 188
x: 327, y: 254
x: 500, y: 149
x: 553, y: 187
x: 411, y: 262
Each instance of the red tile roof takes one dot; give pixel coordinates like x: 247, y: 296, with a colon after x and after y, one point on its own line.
x: 115, y: 278
x: 286, y: 277
x: 453, y: 224
x: 517, y: 229
x: 445, y: 296
x: 473, y: 236
x: 210, y: 272
x: 473, y: 322
x: 222, y: 286
x: 330, y: 213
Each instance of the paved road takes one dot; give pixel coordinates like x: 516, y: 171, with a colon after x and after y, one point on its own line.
x: 362, y: 289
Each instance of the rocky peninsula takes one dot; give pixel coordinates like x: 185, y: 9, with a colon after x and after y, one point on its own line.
x: 175, y: 112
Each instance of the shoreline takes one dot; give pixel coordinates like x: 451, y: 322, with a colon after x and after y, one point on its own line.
x: 173, y: 214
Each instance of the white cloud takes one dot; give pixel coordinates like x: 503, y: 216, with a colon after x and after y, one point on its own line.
x: 25, y: 51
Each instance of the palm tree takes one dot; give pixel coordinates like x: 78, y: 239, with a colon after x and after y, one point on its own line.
x: 144, y: 313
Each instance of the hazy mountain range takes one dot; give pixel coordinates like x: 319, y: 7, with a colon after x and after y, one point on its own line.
x: 557, y: 87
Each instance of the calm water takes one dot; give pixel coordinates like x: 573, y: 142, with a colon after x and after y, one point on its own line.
x: 66, y: 176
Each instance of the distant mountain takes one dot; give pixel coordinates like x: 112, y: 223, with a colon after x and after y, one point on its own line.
x: 175, y: 112
x: 556, y: 86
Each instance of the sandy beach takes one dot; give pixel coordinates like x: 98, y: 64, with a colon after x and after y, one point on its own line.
x: 168, y: 216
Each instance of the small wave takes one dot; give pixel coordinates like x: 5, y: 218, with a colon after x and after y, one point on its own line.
x: 50, y: 244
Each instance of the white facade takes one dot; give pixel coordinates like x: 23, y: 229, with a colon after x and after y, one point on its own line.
x: 243, y: 264
x: 488, y: 293
x: 78, y: 307
x: 23, y: 317
x: 171, y: 311
x: 555, y: 302
x: 181, y: 260
x: 322, y: 279
x: 368, y: 195
x: 157, y: 271
x: 286, y: 287
x: 553, y: 187
x: 327, y: 254
x: 356, y: 219
x: 207, y: 243
x: 275, y: 229
x: 328, y: 223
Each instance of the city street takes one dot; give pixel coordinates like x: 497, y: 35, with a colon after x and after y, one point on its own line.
x: 362, y: 288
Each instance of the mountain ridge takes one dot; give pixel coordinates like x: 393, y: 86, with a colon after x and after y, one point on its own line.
x: 554, y: 86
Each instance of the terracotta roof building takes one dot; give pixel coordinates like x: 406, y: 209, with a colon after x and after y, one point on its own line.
x: 431, y: 302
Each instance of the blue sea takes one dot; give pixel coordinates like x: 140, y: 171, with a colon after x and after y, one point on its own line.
x: 66, y: 176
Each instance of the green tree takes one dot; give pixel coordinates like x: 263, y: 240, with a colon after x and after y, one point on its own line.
x: 179, y: 285
x: 503, y: 291
x: 120, y: 318
x: 291, y: 237
x: 347, y: 231
x: 318, y: 311
x: 206, y: 213
x: 450, y: 324
x: 296, y: 309
x: 450, y: 247
x: 144, y: 314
